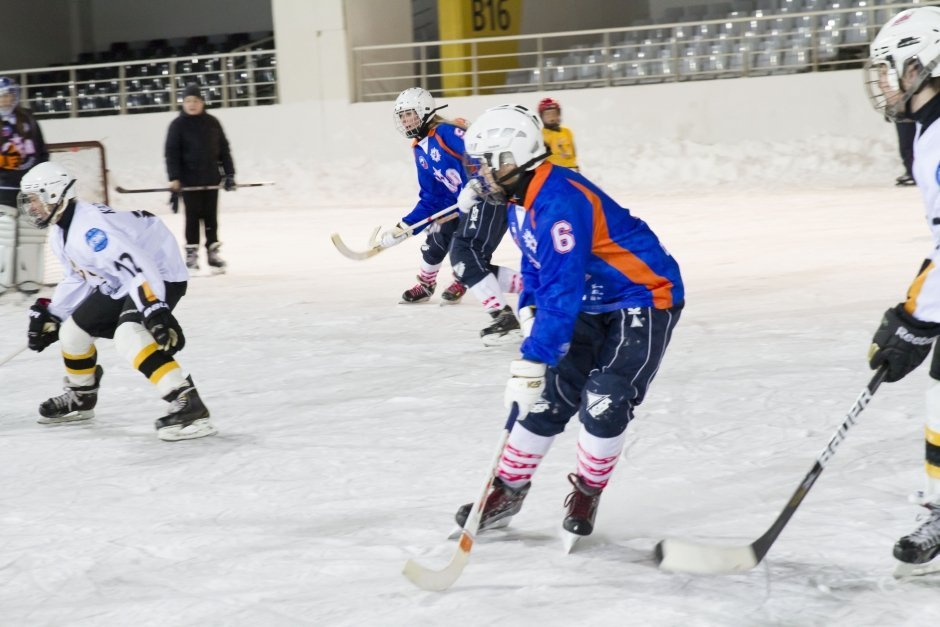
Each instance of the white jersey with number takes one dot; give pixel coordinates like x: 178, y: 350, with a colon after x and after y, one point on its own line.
x: 119, y: 253
x: 923, y: 297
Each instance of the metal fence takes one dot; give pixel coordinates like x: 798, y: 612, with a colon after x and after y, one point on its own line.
x: 233, y: 79
x: 758, y: 43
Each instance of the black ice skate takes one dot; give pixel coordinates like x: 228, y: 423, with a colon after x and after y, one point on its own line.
x: 582, y: 507
x: 905, y: 180
x: 923, y: 544
x: 453, y: 294
x: 419, y: 293
x: 192, y: 257
x: 187, y: 417
x: 78, y: 402
x: 504, y: 330
x: 502, y: 504
x: 215, y: 259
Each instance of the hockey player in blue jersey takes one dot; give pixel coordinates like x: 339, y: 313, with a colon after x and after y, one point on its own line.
x: 600, y: 299
x: 438, y: 148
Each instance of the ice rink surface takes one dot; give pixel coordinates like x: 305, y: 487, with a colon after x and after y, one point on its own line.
x: 351, y: 428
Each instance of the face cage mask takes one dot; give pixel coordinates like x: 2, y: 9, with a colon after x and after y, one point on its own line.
x: 421, y: 129
x: 25, y: 202
x: 480, y: 167
x: 899, y: 110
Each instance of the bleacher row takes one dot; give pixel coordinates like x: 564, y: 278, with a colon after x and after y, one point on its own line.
x: 149, y: 76
x: 744, y: 37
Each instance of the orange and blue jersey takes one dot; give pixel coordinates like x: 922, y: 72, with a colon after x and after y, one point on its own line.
x: 583, y: 252
x: 439, y: 159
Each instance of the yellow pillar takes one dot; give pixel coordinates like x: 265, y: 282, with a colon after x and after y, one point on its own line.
x: 471, y: 19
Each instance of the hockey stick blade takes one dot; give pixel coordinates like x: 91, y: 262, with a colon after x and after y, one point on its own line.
x: 346, y: 251
x: 706, y: 559
x: 439, y: 580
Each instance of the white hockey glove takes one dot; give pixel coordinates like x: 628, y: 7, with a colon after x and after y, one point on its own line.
x: 469, y: 196
x: 394, y: 235
x: 527, y: 320
x: 525, y: 385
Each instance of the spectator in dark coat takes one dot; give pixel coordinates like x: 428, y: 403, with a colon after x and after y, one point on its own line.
x: 197, y: 154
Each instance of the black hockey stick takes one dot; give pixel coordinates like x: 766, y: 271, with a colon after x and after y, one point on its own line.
x: 692, y: 557
x: 196, y: 188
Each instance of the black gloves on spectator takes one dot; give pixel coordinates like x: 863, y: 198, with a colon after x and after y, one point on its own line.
x: 229, y: 184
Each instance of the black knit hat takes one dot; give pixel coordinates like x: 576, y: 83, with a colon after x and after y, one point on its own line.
x: 193, y: 90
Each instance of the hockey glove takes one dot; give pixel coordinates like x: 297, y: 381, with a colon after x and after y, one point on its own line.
x: 901, y: 342
x: 469, y: 196
x: 525, y: 385
x: 229, y: 184
x: 166, y: 331
x: 43, y: 326
x: 394, y: 235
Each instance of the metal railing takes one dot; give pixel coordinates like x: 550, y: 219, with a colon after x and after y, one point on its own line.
x: 231, y: 79
x: 759, y: 43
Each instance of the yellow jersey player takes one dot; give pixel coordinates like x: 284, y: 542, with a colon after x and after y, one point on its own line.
x: 558, y: 138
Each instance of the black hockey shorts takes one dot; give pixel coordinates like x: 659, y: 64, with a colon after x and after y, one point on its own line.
x: 99, y: 315
x: 435, y: 247
x: 478, y: 235
x: 607, y: 371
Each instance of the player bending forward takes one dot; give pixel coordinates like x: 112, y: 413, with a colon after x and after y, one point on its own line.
x: 600, y: 299
x: 123, y: 277
x: 904, y: 82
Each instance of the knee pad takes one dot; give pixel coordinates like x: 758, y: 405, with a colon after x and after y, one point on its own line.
x: 136, y: 345
x: 549, y: 416
x: 606, y: 405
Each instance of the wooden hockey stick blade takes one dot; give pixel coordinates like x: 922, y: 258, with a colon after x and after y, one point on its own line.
x: 691, y: 557
x: 346, y: 251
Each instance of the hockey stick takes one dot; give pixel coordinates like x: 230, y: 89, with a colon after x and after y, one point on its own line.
x: 196, y: 188
x: 692, y: 557
x: 439, y: 580
x: 4, y: 360
x: 375, y: 247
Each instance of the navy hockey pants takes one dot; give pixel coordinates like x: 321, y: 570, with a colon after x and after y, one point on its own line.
x: 479, y: 233
x: 606, y: 372
x: 435, y: 247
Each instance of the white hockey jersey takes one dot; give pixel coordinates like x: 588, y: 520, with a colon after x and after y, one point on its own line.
x: 120, y: 253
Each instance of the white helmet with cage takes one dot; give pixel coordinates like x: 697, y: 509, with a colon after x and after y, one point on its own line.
x: 911, y: 39
x: 44, y: 191
x: 413, y: 108
x: 504, y: 135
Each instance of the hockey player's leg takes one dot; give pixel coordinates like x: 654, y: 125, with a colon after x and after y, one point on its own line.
x: 187, y: 417
x: 7, y: 248
x: 504, y: 328
x: 433, y: 253
x: 30, y: 256
x: 597, y: 457
x: 83, y: 378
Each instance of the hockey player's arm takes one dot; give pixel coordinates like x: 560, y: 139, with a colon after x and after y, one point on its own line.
x: 564, y: 244
x: 530, y: 283
x: 69, y: 294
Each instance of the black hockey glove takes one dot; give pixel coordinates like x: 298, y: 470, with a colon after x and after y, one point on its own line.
x: 43, y: 326
x: 164, y: 328
x: 901, y: 342
x: 229, y: 184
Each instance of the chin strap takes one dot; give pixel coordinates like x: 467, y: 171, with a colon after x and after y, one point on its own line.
x: 423, y: 129
x: 56, y: 210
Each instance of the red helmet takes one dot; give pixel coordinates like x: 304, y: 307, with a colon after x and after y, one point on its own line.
x: 548, y: 103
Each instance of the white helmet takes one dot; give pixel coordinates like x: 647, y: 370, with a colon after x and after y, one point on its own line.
x: 911, y: 36
x: 44, y: 191
x: 507, y: 134
x: 421, y: 103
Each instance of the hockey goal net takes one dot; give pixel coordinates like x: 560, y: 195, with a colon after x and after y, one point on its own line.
x: 86, y: 162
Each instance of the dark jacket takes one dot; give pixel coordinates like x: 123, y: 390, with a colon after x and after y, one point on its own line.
x: 196, y: 149
x: 21, y: 147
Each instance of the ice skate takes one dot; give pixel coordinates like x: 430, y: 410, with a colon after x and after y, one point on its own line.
x: 905, y: 180
x: 216, y: 263
x: 192, y: 257
x: 502, y: 504
x: 77, y: 404
x: 420, y: 293
x: 187, y: 417
x: 923, y: 544
x: 504, y: 330
x: 453, y: 294
x: 582, y: 505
